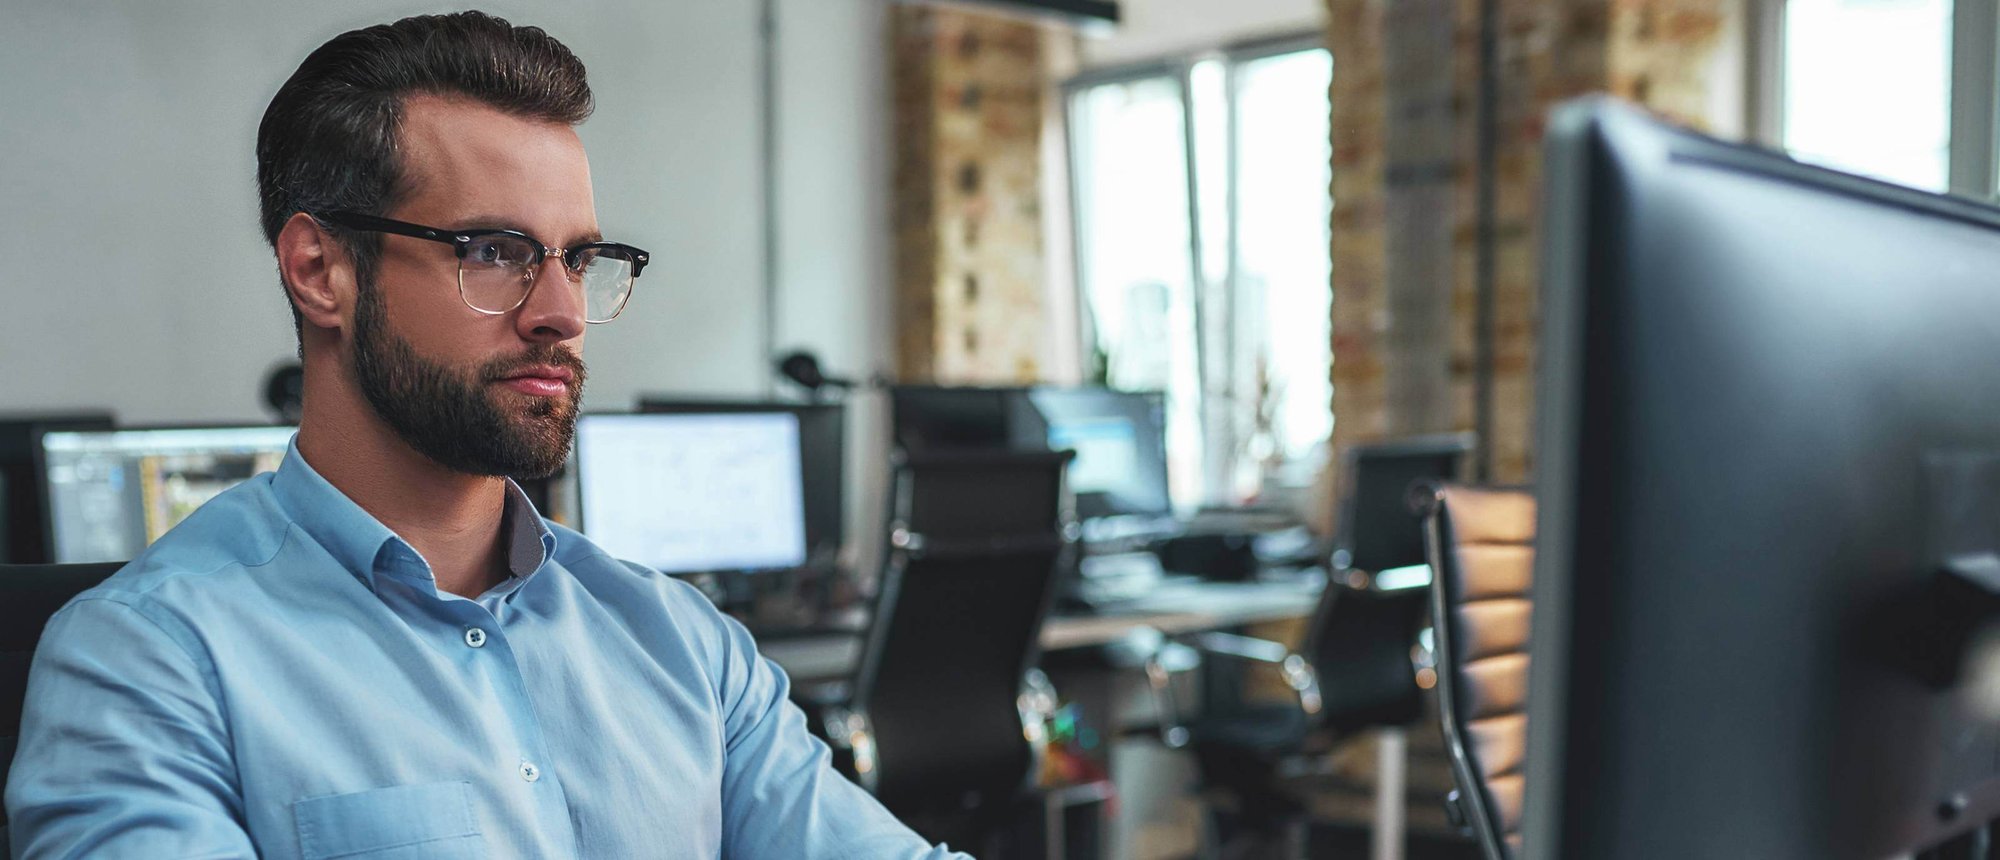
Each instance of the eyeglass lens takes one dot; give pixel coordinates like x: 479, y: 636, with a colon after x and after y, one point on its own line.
x: 496, y: 272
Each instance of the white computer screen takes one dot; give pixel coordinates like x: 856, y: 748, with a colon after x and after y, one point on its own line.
x: 694, y: 492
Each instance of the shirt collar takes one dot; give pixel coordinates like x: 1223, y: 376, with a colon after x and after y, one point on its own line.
x: 366, y: 547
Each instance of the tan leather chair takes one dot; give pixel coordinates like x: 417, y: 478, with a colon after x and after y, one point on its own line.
x: 1481, y: 543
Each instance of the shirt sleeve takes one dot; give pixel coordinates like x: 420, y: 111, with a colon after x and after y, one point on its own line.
x: 781, y: 797
x: 124, y: 749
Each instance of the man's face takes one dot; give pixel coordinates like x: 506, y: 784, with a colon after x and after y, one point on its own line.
x: 477, y: 393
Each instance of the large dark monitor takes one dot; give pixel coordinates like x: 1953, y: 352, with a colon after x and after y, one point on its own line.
x: 695, y: 487
x: 24, y: 520
x: 1120, y: 440
x: 1378, y: 531
x: 1770, y: 425
x: 110, y: 493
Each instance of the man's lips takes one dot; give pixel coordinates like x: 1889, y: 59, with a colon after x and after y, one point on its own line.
x: 540, y: 381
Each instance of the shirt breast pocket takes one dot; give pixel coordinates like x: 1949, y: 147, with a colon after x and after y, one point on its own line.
x: 404, y: 821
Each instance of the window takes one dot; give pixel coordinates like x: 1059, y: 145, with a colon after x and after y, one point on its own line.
x: 1867, y: 87
x: 1901, y: 90
x: 1202, y: 207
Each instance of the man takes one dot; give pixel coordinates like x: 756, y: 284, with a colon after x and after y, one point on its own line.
x: 381, y: 650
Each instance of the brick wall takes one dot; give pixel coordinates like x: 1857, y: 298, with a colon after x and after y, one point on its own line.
x: 1406, y: 225
x: 969, y: 100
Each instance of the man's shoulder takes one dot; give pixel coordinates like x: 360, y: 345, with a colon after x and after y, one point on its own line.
x: 239, y: 530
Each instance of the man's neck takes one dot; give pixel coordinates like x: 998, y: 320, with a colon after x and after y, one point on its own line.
x: 454, y: 520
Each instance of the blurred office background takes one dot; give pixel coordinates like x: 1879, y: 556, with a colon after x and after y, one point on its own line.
x: 1308, y: 225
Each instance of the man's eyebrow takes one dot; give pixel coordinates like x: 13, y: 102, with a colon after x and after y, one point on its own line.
x: 496, y: 222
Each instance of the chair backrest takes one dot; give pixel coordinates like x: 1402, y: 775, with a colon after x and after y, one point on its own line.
x: 1482, y: 548
x: 1359, y: 642
x: 1361, y: 635
x: 29, y: 594
x: 1376, y: 529
x: 977, y: 542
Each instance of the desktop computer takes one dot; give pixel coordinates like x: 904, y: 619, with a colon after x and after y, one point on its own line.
x: 696, y: 492
x: 110, y: 493
x: 1769, y: 478
x: 1119, y: 478
x: 747, y: 498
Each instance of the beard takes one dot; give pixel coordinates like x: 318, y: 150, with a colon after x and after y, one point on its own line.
x: 450, y: 414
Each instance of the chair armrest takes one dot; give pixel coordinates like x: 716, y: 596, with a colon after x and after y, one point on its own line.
x: 1296, y: 671
x: 1233, y: 645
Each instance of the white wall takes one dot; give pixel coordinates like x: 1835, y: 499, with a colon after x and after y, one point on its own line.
x: 136, y: 278
x: 1157, y: 29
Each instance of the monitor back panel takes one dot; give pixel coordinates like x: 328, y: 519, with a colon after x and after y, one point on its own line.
x: 1770, y: 395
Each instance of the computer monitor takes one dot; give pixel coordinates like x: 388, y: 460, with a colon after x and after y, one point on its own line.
x: 110, y: 493
x: 927, y: 418
x: 1121, y: 448
x: 713, y: 490
x: 1379, y: 531
x: 1770, y: 423
x: 822, y: 460
x: 24, y: 519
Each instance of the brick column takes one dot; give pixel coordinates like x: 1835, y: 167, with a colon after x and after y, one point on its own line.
x: 1406, y: 165
x: 969, y: 92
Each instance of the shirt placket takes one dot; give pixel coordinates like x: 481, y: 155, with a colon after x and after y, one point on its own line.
x: 482, y: 633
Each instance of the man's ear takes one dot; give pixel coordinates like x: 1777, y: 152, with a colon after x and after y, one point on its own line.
x: 317, y: 272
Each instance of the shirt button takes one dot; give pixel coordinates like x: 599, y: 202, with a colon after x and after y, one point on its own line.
x: 530, y: 772
x: 475, y: 637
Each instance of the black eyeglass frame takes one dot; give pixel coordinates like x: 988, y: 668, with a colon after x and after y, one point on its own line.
x: 460, y: 240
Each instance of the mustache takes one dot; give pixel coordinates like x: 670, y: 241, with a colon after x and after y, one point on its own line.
x: 546, y: 355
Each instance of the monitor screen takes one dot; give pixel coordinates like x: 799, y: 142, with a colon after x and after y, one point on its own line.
x: 1768, y: 468
x: 688, y: 493
x: 822, y: 460
x: 111, y: 493
x: 1120, y: 442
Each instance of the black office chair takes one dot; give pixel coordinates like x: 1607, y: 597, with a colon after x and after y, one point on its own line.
x: 1482, y: 546
x: 29, y: 594
x: 1261, y: 764
x: 1357, y: 667
x: 934, y: 724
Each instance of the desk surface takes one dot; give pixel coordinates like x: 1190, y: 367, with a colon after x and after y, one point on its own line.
x: 1171, y: 608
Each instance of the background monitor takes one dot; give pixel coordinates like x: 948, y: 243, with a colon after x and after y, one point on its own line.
x: 929, y: 418
x: 686, y: 491
x: 110, y: 493
x: 1770, y: 426
x: 822, y: 461
x: 1121, y: 449
x: 24, y: 520
x: 1378, y: 530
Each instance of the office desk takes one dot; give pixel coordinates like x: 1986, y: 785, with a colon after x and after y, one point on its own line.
x: 1171, y: 608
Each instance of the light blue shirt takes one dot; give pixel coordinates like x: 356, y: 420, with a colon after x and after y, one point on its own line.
x: 279, y: 676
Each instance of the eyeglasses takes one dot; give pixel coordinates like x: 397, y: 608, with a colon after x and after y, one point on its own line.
x: 496, y: 268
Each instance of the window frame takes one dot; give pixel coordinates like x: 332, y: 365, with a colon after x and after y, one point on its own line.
x: 1214, y: 304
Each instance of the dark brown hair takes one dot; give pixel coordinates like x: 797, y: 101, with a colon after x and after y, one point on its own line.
x: 328, y: 138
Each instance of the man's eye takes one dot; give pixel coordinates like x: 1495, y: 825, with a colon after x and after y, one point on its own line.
x: 497, y: 252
